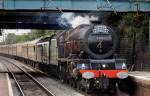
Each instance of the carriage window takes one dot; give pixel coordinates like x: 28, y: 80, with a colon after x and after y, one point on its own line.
x: 61, y: 39
x: 54, y: 42
x: 34, y: 48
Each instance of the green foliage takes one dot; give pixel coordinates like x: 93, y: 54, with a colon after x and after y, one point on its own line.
x: 130, y: 25
x: 40, y: 33
x: 12, y: 38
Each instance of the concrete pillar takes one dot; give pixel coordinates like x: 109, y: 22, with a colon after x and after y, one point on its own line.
x: 149, y: 42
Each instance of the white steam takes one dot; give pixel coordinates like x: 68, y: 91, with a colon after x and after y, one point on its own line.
x: 74, y: 21
x: 78, y: 20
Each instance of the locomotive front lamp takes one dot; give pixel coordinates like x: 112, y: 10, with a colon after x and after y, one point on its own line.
x: 104, y: 65
x: 124, y: 65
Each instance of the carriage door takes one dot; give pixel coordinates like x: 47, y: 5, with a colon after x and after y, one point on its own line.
x: 53, y: 52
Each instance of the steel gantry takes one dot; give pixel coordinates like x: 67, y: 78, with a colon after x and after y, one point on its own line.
x: 149, y: 40
x: 77, y: 5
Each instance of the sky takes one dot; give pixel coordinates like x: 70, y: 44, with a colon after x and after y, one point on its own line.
x: 15, y: 31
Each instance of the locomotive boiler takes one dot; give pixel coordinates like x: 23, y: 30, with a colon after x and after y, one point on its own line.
x: 97, y: 42
x: 82, y: 56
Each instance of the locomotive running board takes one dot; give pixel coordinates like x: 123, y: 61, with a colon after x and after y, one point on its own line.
x: 92, y: 60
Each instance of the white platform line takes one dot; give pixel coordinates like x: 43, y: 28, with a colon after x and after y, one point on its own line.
x: 140, y: 77
x: 9, y: 85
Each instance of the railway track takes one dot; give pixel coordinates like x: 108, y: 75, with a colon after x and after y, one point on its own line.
x: 95, y: 93
x: 27, y: 85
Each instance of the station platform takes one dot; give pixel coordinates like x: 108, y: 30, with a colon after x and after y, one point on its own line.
x: 5, y: 85
x: 3, y: 68
x: 140, y: 83
x: 141, y: 75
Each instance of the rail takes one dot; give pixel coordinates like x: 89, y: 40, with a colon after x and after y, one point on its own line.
x: 47, y: 91
x: 18, y: 85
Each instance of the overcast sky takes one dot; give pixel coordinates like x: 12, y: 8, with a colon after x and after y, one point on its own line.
x: 15, y: 31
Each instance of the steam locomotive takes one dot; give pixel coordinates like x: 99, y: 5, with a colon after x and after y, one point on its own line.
x: 83, y: 56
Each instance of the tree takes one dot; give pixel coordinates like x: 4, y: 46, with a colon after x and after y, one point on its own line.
x: 136, y: 30
x: 12, y: 38
x: 131, y: 26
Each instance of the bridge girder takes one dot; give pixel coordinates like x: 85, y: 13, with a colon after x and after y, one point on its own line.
x: 77, y: 5
x: 31, y: 20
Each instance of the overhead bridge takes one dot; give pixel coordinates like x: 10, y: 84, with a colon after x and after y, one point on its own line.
x: 76, y: 5
x: 37, y: 14
x: 31, y: 20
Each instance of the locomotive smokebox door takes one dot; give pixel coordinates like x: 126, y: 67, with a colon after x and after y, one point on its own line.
x: 100, y: 42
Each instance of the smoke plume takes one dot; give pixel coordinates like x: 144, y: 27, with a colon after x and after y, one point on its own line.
x: 73, y: 20
x: 78, y: 20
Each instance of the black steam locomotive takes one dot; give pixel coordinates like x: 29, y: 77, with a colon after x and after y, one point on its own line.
x: 82, y: 57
